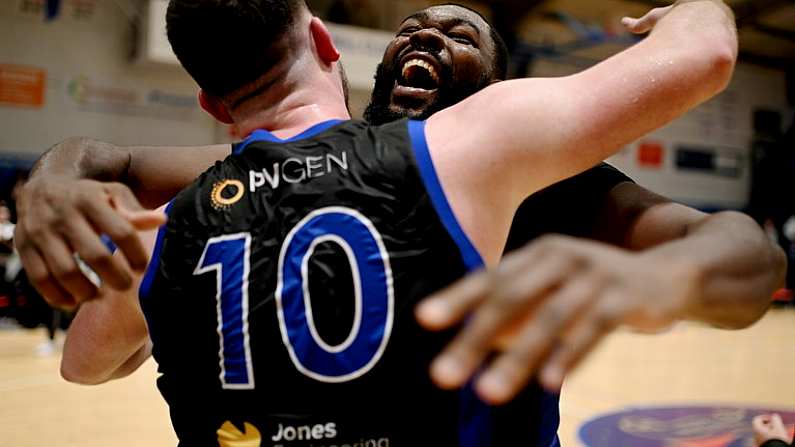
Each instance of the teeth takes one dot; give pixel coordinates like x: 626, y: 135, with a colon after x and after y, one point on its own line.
x: 423, y: 64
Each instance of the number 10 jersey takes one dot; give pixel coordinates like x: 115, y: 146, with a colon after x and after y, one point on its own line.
x: 280, y: 299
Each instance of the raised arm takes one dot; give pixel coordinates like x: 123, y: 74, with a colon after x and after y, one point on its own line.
x: 515, y: 137
x: 55, y: 221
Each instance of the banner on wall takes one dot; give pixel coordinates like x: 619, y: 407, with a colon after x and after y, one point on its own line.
x: 92, y: 95
x: 54, y: 9
x: 22, y: 86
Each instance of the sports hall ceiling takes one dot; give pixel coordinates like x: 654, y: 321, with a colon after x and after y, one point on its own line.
x: 586, y: 29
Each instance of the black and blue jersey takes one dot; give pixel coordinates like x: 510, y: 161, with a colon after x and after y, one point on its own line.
x: 280, y: 299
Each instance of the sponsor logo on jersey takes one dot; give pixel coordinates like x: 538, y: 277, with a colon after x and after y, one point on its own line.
x: 286, y: 435
x: 305, y: 432
x: 226, y: 193
x: 297, y: 170
x: 230, y: 436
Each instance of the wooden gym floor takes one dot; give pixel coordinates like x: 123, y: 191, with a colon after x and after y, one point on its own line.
x: 688, y: 365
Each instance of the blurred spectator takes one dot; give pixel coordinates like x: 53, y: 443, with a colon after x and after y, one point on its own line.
x: 770, y: 431
x: 19, y: 301
x: 773, y: 170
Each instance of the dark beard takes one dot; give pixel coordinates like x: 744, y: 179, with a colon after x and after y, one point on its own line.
x: 378, y: 111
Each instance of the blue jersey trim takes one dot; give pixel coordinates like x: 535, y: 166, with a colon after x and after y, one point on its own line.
x: 154, y: 261
x: 470, y: 255
x: 474, y: 419
x: 264, y: 135
x: 474, y: 424
x: 108, y: 243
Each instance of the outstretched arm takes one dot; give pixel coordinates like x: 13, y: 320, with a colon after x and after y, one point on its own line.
x: 547, y: 305
x: 539, y: 131
x: 737, y: 267
x: 55, y: 221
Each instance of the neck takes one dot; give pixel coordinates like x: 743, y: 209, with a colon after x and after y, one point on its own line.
x: 292, y: 106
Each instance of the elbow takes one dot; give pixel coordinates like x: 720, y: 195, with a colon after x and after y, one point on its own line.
x: 779, y: 267
x: 80, y: 373
x: 722, y: 68
x: 721, y: 59
x: 748, y: 319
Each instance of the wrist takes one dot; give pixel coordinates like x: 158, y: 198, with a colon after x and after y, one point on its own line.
x: 687, y: 279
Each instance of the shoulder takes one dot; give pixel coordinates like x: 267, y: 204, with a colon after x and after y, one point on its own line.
x: 597, y: 181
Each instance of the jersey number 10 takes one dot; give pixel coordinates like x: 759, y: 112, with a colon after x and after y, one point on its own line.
x: 228, y: 257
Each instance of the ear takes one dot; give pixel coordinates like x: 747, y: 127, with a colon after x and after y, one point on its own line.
x: 214, y: 107
x: 323, y: 42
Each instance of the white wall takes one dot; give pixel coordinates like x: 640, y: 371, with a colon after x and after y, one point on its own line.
x: 93, y: 88
x: 723, y: 126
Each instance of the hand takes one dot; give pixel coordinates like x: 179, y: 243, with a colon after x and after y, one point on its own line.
x: 768, y: 427
x: 545, y: 307
x: 649, y: 21
x: 60, y: 216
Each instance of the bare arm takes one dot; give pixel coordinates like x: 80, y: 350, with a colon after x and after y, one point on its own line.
x: 540, y: 131
x: 737, y: 268
x: 547, y: 305
x: 108, y: 338
x: 154, y: 174
x: 55, y: 221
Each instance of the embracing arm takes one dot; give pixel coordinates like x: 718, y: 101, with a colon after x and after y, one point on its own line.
x: 548, y: 304
x: 539, y: 131
x: 154, y: 174
x: 80, y: 189
x: 108, y: 338
x: 735, y: 267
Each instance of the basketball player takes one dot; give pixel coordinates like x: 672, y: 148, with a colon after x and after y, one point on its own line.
x: 219, y: 194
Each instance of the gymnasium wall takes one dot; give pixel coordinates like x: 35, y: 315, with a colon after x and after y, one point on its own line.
x: 74, y: 76
x: 703, y: 158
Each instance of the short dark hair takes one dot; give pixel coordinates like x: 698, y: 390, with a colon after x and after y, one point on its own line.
x: 501, y: 56
x: 226, y: 44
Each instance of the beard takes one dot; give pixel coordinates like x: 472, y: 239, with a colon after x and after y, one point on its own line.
x: 449, y: 93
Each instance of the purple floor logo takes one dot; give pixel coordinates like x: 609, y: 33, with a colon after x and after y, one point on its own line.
x: 695, y: 426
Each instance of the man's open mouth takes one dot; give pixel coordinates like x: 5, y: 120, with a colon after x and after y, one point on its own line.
x: 418, y: 83
x: 419, y: 74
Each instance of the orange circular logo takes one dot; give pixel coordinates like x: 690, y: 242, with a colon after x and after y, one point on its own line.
x: 226, y: 193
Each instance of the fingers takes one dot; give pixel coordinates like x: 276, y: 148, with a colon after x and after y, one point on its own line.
x: 40, y: 278
x: 145, y: 220
x: 776, y: 422
x: 56, y: 223
x: 761, y: 420
x: 512, y: 369
x: 122, y: 198
x: 449, y: 306
x: 647, y: 22
x: 64, y: 268
x: 106, y: 220
x: 50, y: 265
x: 576, y: 344
x: 127, y: 205
x: 93, y: 252
x: 507, y: 301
